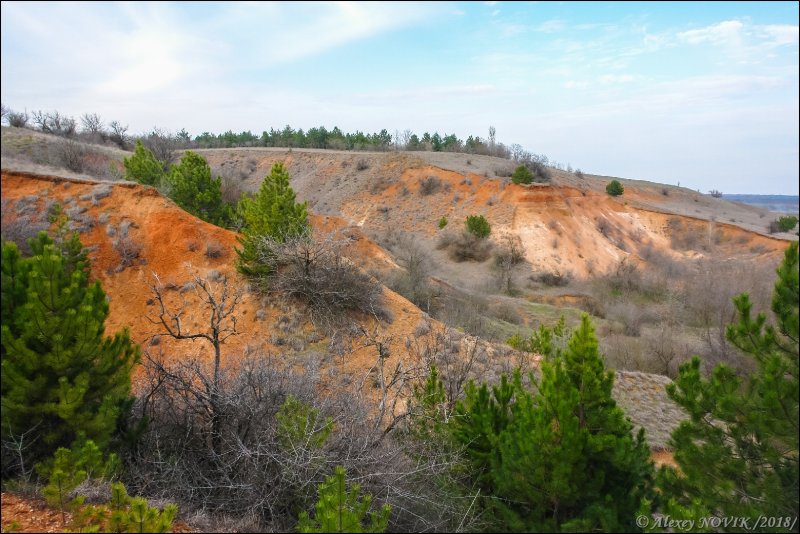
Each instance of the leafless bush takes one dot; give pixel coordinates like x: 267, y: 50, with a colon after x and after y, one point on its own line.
x: 264, y: 472
x: 665, y: 351
x: 630, y: 315
x: 362, y: 165
x: 622, y: 352
x: 315, y: 271
x: 128, y: 250
x: 681, y: 235
x: 429, y: 185
x: 464, y: 246
x: 163, y: 146
x: 507, y: 257
x: 20, y: 229
x: 503, y: 172
x: 604, y: 226
x: 18, y: 119
x: 413, y: 282
x: 231, y: 188
x: 214, y: 249
x: 91, y: 123
x: 552, y: 279
x: 505, y: 312
x: 54, y: 123
x: 72, y: 155
x: 118, y: 134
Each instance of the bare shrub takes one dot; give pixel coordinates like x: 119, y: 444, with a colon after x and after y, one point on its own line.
x: 118, y: 134
x: 128, y: 250
x: 503, y: 172
x: 163, y: 145
x: 315, y: 271
x: 91, y: 123
x: 362, y: 165
x: 630, y: 315
x: 54, y: 123
x: 232, y: 188
x: 552, y: 279
x: 505, y: 312
x: 22, y: 228
x: 72, y: 155
x: 214, y: 249
x: 507, y: 257
x: 464, y: 246
x: 664, y: 351
x: 276, y: 439
x: 413, y: 282
x: 682, y: 236
x: 604, y: 226
x: 429, y: 185
x: 665, y: 191
x: 18, y: 119
x: 622, y: 352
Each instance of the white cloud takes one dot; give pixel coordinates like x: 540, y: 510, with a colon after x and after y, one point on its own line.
x: 550, y: 26
x: 779, y: 34
x: 726, y: 32
x: 616, y: 78
x: 575, y: 84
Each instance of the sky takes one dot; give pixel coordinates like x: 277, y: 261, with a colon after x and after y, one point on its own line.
x: 704, y: 95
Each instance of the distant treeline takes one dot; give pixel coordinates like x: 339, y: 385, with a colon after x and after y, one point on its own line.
x: 91, y: 128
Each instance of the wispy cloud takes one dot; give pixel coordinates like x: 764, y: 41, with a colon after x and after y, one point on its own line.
x: 726, y: 32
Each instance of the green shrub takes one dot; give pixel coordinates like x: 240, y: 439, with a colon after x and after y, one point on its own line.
x: 272, y: 212
x: 743, y: 426
x: 69, y: 467
x: 478, y: 226
x: 62, y: 377
x: 522, y: 175
x: 193, y: 188
x: 143, y: 167
x: 442, y: 223
x: 343, y: 510
x: 557, y: 456
x: 614, y: 188
x: 783, y: 224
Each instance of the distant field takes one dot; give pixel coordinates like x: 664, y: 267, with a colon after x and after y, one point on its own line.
x: 778, y: 203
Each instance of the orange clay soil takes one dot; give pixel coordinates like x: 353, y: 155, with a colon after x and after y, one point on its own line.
x: 569, y: 226
x: 174, y: 247
x: 26, y: 514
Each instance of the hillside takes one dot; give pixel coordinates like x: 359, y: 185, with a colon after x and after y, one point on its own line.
x: 633, y: 262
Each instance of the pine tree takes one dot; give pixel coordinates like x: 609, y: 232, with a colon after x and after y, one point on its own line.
x: 193, y: 189
x: 61, y: 377
x: 340, y: 510
x: 272, y: 212
x: 560, y: 456
x: 143, y: 167
x: 737, y: 453
x: 522, y: 175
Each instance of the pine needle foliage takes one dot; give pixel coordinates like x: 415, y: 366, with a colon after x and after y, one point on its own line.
x: 737, y: 452
x: 343, y: 510
x: 143, y: 167
x: 272, y: 212
x: 193, y: 188
x: 62, y: 378
x: 558, y: 455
